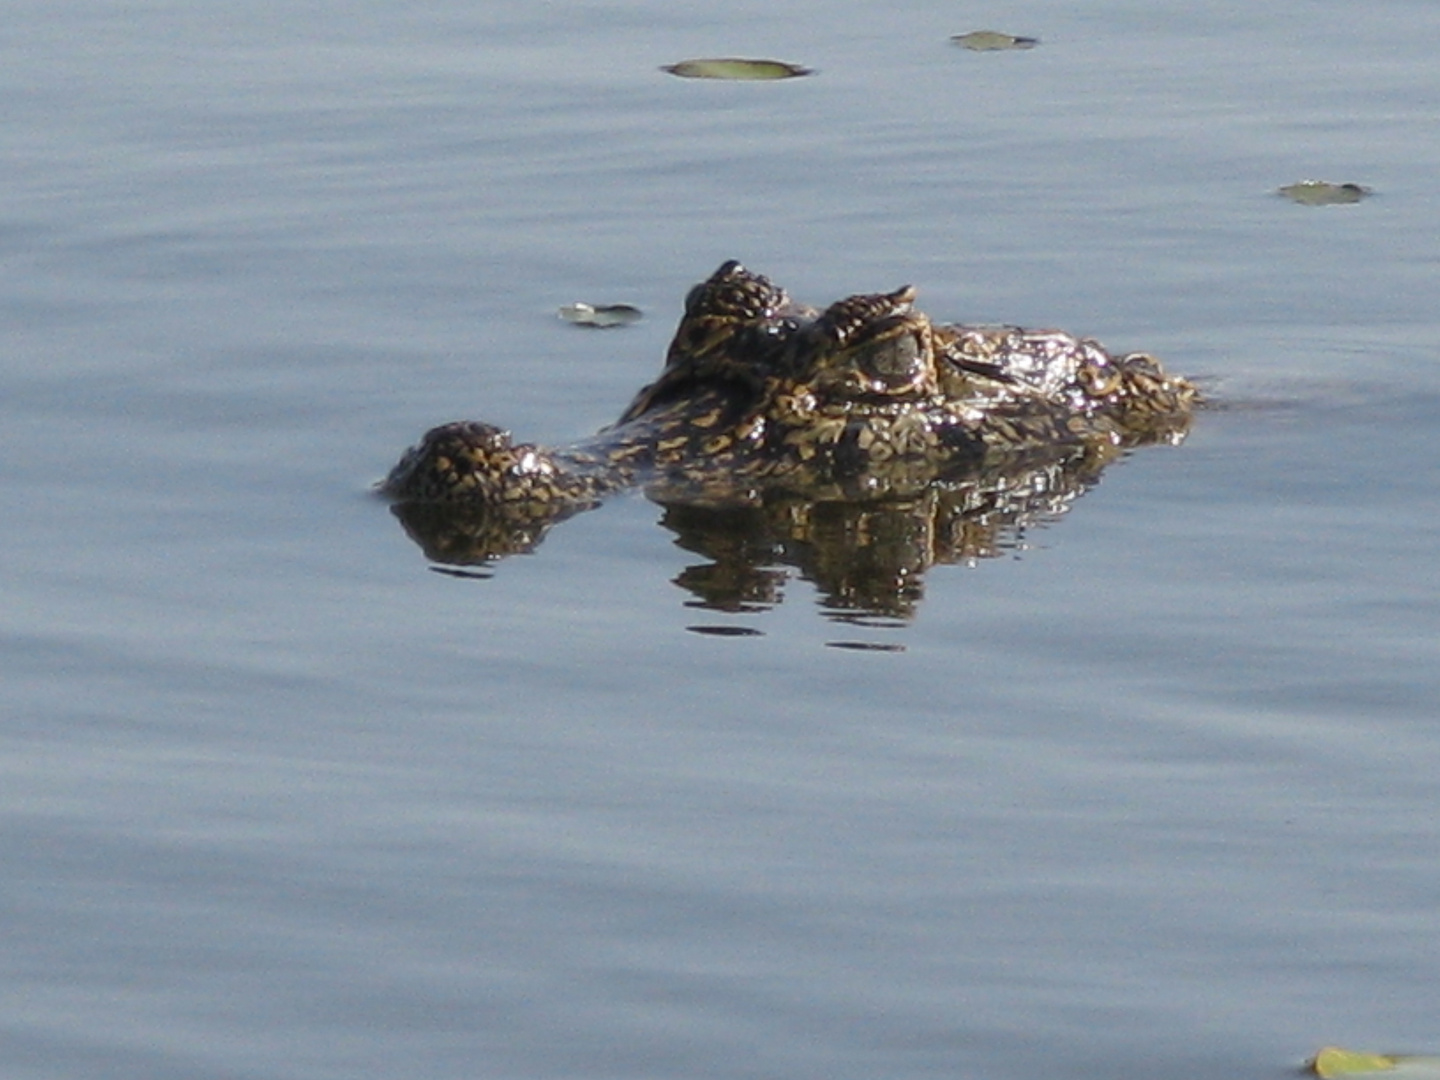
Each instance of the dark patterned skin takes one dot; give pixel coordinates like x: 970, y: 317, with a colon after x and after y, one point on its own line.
x: 867, y: 399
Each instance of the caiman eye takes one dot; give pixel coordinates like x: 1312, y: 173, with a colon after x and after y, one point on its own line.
x: 895, y: 361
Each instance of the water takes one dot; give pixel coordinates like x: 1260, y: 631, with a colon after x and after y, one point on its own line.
x: 1152, y: 792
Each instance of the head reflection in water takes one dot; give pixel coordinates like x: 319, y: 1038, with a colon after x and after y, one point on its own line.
x: 859, y: 445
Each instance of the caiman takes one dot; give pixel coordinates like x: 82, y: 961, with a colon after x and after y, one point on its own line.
x: 867, y: 399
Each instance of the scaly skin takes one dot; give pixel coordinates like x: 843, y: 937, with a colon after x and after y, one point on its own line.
x: 867, y: 399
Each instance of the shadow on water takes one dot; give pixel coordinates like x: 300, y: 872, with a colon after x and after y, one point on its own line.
x: 866, y: 557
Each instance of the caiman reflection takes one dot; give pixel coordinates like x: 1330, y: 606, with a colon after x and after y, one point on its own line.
x: 860, y: 445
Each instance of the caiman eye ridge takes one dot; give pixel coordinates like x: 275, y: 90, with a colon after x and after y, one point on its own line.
x: 761, y: 393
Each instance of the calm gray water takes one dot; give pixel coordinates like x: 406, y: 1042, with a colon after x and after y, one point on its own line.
x: 1152, y: 794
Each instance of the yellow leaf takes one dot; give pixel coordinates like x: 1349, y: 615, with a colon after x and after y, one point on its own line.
x: 730, y: 67
x: 1333, y: 1061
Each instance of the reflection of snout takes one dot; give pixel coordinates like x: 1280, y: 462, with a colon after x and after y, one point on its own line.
x: 468, y: 535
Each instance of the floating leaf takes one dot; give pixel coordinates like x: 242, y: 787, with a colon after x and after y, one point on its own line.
x: 1332, y: 1061
x: 601, y: 315
x: 991, y: 41
x: 730, y: 67
x: 1323, y: 193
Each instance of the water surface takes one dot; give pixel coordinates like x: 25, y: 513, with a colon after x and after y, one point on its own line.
x: 1151, y: 792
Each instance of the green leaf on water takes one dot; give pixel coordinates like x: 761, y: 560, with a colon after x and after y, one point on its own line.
x: 992, y: 41
x: 730, y: 67
x: 1323, y: 193
x: 1334, y: 1061
x: 601, y: 315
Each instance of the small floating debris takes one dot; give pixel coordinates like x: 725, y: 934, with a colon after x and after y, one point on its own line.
x: 730, y: 67
x: 1323, y: 193
x: 1332, y: 1061
x: 993, y: 41
x: 601, y: 315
